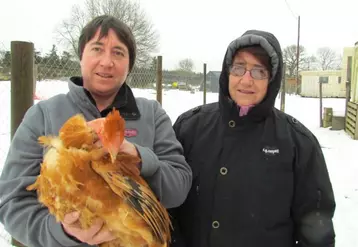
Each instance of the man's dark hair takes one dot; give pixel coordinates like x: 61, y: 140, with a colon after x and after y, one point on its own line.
x: 105, y: 23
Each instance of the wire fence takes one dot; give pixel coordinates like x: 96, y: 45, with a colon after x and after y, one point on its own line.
x: 4, y: 102
x: 5, y: 57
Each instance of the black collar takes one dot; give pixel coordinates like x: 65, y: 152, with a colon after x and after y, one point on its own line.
x: 124, y: 101
x: 230, y: 111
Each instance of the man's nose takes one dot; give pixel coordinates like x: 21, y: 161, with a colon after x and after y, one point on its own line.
x: 106, y: 60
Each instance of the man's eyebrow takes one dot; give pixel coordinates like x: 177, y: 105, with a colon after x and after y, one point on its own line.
x: 97, y: 43
x: 120, y: 48
x: 116, y: 47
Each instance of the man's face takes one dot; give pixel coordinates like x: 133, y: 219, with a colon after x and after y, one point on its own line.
x: 243, y: 88
x: 104, y: 64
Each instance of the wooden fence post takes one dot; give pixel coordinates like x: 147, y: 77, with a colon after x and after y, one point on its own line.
x: 22, y: 81
x: 160, y: 80
x: 204, y: 85
x: 327, y: 117
x: 22, y: 87
x: 348, y: 98
x: 320, y: 105
x: 283, y: 89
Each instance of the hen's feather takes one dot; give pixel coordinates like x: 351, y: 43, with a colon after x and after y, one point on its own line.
x: 124, y: 179
x: 76, y: 133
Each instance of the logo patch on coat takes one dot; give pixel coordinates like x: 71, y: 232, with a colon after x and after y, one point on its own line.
x: 130, y: 132
x: 271, y: 151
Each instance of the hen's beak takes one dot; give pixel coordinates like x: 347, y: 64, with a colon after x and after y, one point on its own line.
x: 113, y: 156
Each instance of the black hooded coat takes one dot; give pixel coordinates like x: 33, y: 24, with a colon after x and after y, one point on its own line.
x: 258, y: 180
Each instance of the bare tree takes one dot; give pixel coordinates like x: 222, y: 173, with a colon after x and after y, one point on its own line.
x: 327, y: 58
x: 127, y: 11
x: 290, y: 58
x: 186, y: 65
x: 2, y: 54
x: 339, y: 62
x: 310, y: 63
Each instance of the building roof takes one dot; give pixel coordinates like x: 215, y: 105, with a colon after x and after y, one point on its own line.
x: 321, y: 73
x: 215, y: 73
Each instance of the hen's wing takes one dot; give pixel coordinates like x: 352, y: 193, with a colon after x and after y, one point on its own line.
x: 123, y: 178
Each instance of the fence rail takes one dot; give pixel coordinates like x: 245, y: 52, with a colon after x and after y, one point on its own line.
x: 352, y: 120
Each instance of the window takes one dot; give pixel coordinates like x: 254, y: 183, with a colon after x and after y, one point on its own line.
x: 339, y: 79
x: 323, y: 79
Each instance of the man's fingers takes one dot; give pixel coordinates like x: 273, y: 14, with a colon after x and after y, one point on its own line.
x: 94, y: 235
x: 92, y: 231
x: 102, y: 236
x: 71, y: 218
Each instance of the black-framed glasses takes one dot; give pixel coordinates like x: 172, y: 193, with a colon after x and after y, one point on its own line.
x: 256, y: 73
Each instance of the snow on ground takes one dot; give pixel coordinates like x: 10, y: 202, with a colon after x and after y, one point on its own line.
x: 338, y: 147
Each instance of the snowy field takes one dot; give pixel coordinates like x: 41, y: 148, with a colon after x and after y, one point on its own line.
x: 339, y: 149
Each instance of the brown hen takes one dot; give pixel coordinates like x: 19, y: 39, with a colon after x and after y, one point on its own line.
x: 77, y: 174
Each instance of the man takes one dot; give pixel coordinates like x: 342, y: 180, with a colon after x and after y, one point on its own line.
x: 107, y: 51
x: 259, y: 176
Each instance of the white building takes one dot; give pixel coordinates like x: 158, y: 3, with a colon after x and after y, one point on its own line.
x: 332, y: 84
x: 333, y: 81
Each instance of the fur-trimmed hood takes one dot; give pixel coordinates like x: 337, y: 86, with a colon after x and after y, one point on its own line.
x: 272, y: 46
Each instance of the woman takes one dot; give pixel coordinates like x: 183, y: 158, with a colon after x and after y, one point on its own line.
x: 260, y: 178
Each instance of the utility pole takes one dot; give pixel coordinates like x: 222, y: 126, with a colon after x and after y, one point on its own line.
x: 320, y: 104
x: 204, y: 85
x: 298, y: 54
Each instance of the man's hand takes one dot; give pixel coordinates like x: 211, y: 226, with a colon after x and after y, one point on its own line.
x: 129, y: 148
x: 93, y: 236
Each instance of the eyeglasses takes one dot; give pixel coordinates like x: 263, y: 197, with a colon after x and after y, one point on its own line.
x: 256, y: 73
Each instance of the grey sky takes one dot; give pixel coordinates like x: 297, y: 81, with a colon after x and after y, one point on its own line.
x: 199, y: 29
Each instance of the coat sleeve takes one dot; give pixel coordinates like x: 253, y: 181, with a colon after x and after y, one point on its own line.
x: 20, y: 212
x: 314, y: 203
x: 164, y: 167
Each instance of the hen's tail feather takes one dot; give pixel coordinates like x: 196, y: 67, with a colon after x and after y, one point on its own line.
x: 33, y: 186
x: 143, y: 201
x: 50, y: 141
x: 146, y: 204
